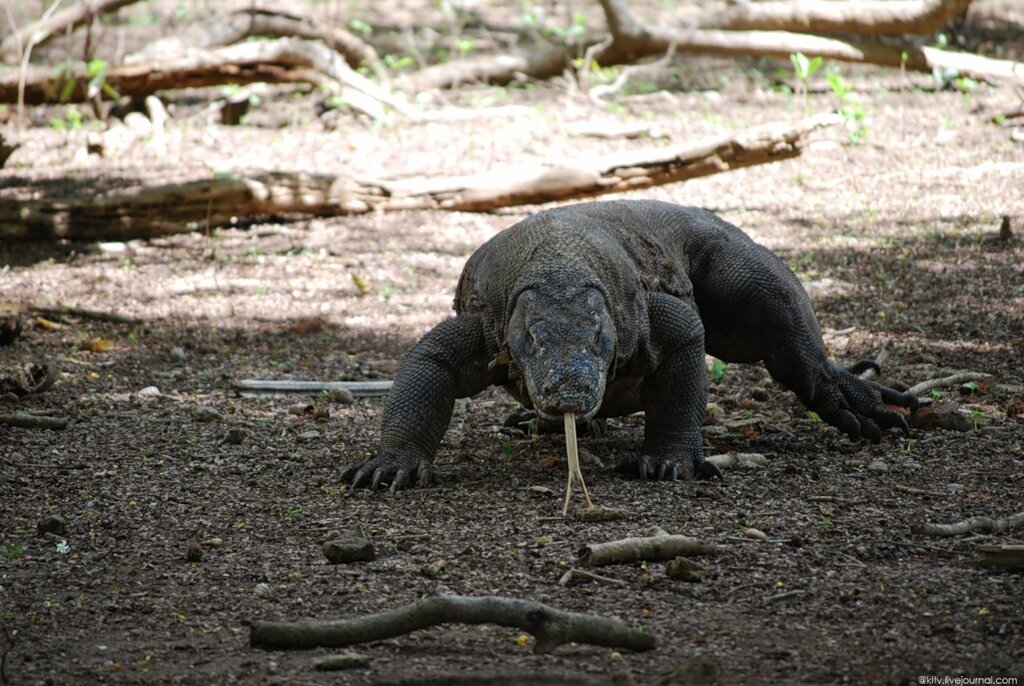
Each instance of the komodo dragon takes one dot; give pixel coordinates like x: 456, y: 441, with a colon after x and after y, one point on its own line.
x: 607, y: 308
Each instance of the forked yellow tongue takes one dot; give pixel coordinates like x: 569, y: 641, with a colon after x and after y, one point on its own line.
x: 574, y: 463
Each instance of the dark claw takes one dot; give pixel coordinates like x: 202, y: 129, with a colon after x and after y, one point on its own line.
x: 858, y: 368
x: 377, y: 475
x: 426, y: 474
x: 870, y: 430
x: 707, y: 470
x: 846, y: 422
x: 361, y: 475
x: 663, y: 470
x: 401, y: 478
x: 643, y: 467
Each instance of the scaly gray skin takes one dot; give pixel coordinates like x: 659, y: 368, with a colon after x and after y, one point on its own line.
x: 604, y: 309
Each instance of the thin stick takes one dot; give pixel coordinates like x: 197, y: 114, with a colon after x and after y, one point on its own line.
x: 61, y: 310
x: 950, y: 380
x: 574, y: 463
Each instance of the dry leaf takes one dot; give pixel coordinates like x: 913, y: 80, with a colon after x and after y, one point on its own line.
x: 98, y: 345
x: 362, y: 284
x: 47, y: 324
x: 547, y: 462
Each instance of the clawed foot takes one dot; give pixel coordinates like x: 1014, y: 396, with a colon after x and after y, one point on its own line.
x: 668, y: 468
x: 386, y: 470
x: 856, y: 406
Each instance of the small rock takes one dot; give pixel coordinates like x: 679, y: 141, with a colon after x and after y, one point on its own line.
x: 205, y: 413
x: 878, y: 466
x: 759, y: 393
x: 300, y: 409
x: 149, y: 392
x: 685, y: 569
x: 954, y: 488
x: 348, y: 550
x: 236, y: 435
x: 433, y: 570
x: 603, y: 514
x: 262, y: 589
x: 94, y: 143
x: 334, y: 663
x: 178, y: 354
x: 321, y: 412
x: 311, y: 435
x: 341, y: 396
x: 755, y: 534
x: 214, y: 542
x: 541, y: 490
x: 52, y: 524
x: 194, y: 552
x: 589, y: 458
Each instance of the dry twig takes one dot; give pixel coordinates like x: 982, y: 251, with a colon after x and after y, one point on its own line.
x: 658, y: 546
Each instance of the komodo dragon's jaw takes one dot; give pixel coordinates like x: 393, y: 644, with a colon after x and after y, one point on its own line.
x: 563, y: 343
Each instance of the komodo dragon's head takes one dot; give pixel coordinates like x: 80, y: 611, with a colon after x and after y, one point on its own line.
x: 563, y: 342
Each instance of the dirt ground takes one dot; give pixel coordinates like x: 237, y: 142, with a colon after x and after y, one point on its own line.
x: 896, y: 239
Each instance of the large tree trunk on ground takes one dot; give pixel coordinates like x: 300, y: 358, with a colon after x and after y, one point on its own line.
x: 39, y: 32
x: 863, y: 17
x: 179, y: 208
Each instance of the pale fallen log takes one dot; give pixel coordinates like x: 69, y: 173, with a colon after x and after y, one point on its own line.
x: 864, y: 17
x: 551, y: 627
x: 633, y: 40
x: 660, y: 546
x: 743, y: 461
x: 1006, y: 557
x: 985, y: 525
x: 359, y: 389
x: 177, y: 208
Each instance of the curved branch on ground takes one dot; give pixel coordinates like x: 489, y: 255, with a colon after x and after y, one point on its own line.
x: 550, y: 626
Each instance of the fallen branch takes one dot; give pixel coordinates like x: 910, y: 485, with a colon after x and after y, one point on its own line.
x: 33, y: 421
x: 68, y: 310
x: 985, y: 525
x: 177, y: 208
x: 252, y: 21
x: 43, y: 30
x: 951, y: 380
x: 285, y: 60
x: 738, y: 460
x: 577, y: 576
x: 633, y: 40
x: 911, y: 490
x: 659, y: 546
x: 1006, y: 557
x: 359, y: 389
x: 551, y: 627
x: 865, y: 17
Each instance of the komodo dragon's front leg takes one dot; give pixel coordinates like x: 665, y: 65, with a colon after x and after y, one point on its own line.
x: 449, y: 362
x: 754, y: 308
x: 673, y: 396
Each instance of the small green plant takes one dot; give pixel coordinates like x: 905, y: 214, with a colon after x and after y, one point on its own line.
x: 909, y: 447
x: 936, y: 394
x: 975, y: 416
x: 717, y: 369
x: 509, y: 448
x: 396, y: 62
x: 804, y: 68
x: 360, y: 27
x: 530, y: 426
x: 970, y: 387
x: 13, y: 550
x: 573, y: 33
x: 850, y: 108
x: 465, y: 44
x: 72, y: 120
